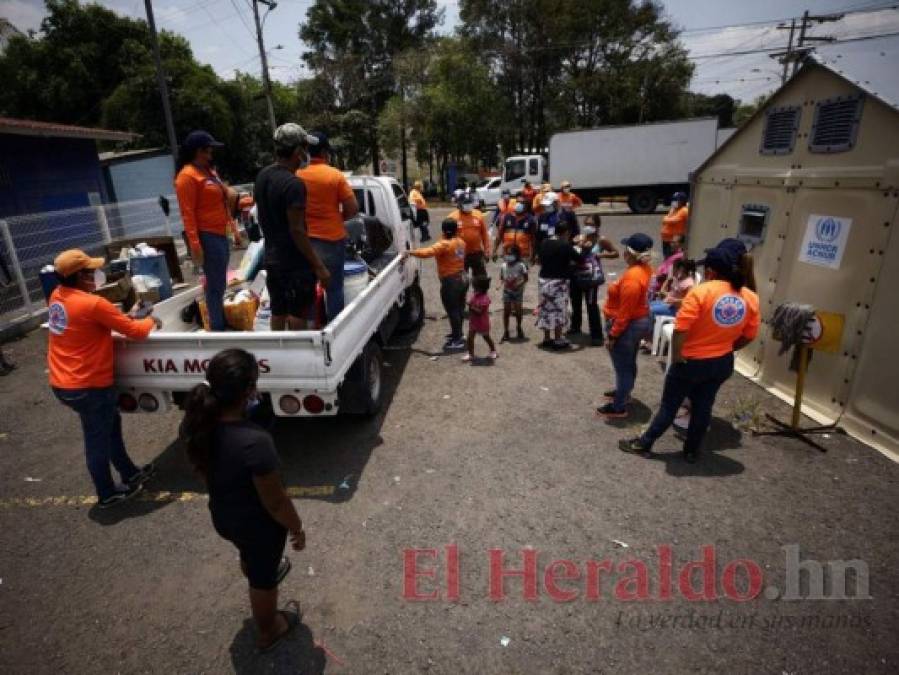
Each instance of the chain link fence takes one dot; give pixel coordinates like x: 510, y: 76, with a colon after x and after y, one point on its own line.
x: 30, y: 242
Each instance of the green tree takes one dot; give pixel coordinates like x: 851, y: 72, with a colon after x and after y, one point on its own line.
x: 721, y: 106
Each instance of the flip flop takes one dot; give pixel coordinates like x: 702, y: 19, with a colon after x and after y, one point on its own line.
x: 292, y: 617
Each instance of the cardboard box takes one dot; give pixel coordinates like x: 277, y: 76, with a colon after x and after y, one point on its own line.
x: 117, y: 291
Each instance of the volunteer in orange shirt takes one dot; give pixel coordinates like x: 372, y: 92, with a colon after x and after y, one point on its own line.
x: 329, y: 202
x: 566, y: 196
x: 472, y: 230
x: 716, y: 318
x: 527, y: 195
x: 675, y: 223
x: 627, y: 317
x: 422, y: 218
x: 204, y: 202
x: 517, y: 228
x: 80, y: 361
x: 504, y: 206
x: 450, y: 255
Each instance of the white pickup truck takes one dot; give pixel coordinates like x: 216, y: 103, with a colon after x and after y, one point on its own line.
x: 301, y: 373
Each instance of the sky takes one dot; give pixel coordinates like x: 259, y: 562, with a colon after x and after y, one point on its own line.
x: 221, y: 33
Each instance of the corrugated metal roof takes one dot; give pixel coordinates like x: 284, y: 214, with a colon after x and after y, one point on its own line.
x: 9, y: 125
x: 871, y: 65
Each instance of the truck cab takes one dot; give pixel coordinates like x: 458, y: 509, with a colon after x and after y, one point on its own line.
x: 520, y: 168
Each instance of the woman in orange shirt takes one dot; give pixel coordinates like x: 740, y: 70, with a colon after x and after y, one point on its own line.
x: 716, y: 318
x: 80, y: 363
x: 203, y: 199
x: 627, y: 316
x: 422, y: 219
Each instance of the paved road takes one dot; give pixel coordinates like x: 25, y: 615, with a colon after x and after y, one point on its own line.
x: 503, y: 456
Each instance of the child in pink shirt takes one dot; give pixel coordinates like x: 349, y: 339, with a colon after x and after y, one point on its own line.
x: 479, y: 316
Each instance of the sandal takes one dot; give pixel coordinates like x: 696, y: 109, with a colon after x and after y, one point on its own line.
x: 283, y: 569
x: 292, y: 618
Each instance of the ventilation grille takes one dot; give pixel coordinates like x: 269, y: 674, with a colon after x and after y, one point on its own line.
x: 836, y: 124
x: 781, y: 125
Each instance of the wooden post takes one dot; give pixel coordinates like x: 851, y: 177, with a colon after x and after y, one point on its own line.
x: 804, y: 351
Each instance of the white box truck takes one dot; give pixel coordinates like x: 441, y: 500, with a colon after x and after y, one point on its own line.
x: 645, y: 163
x: 309, y: 373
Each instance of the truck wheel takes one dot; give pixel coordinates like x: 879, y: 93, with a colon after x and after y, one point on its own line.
x: 362, y: 391
x: 643, y: 201
x: 412, y: 314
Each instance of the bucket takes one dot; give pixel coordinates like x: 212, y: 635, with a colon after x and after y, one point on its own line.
x: 355, y: 279
x: 49, y: 281
x: 154, y: 266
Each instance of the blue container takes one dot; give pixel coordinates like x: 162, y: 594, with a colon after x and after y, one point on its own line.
x: 154, y: 266
x: 49, y: 281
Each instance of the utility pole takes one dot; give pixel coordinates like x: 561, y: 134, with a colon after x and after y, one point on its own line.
x: 796, y: 54
x: 403, y: 137
x: 789, y: 53
x: 163, y: 87
x: 266, y: 82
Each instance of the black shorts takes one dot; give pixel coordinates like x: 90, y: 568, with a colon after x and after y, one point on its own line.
x: 260, y: 544
x: 290, y: 291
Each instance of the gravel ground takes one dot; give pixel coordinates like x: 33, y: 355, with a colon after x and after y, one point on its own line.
x: 502, y: 456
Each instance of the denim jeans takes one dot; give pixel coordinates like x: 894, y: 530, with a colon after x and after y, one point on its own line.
x: 586, y: 296
x: 216, y: 252
x: 699, y: 380
x: 624, y: 359
x: 661, y: 308
x: 102, y: 428
x: 452, y: 294
x: 333, y: 255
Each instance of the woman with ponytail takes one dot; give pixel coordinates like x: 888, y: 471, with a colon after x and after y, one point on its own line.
x: 716, y: 318
x: 247, y: 500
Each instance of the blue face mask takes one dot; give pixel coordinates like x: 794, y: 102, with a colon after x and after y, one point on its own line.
x: 252, y: 404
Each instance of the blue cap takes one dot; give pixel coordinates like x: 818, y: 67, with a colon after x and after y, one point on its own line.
x: 719, y: 258
x: 201, y: 139
x: 679, y: 197
x: 323, y: 144
x: 736, y: 247
x: 638, y: 242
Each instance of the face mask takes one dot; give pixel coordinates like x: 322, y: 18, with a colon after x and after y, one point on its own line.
x: 566, y: 190
x: 467, y: 208
x: 253, y: 402
x: 519, y: 209
x: 99, y: 278
x: 510, y: 258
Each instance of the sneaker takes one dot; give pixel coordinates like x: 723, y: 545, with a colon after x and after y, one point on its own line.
x: 610, y: 395
x: 505, y: 338
x: 609, y: 411
x: 454, y: 344
x: 120, y: 496
x: 494, y: 356
x: 146, y: 473
x: 635, y: 446
x: 467, y: 358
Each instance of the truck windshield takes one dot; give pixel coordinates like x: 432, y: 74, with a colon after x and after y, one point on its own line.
x: 365, y: 201
x: 515, y: 169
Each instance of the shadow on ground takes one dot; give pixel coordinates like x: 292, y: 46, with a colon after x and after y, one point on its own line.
x: 296, y: 654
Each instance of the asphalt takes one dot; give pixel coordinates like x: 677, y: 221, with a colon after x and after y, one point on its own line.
x: 466, y: 458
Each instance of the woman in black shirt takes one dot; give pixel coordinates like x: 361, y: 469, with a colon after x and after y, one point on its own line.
x: 557, y: 260
x: 247, y: 500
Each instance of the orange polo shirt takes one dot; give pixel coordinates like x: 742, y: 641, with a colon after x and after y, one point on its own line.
x: 326, y: 188
x: 570, y: 197
x: 713, y: 316
x: 450, y: 255
x: 527, y: 196
x: 472, y: 230
x: 627, y: 298
x: 418, y: 199
x: 202, y: 199
x: 675, y: 223
x: 81, y: 325
x: 516, y: 236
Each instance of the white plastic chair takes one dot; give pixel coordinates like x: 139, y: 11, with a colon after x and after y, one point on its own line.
x: 661, y: 322
x: 667, y: 334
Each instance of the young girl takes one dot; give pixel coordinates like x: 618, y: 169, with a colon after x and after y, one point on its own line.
x: 247, y: 500
x: 514, y: 275
x: 675, y: 289
x: 479, y: 318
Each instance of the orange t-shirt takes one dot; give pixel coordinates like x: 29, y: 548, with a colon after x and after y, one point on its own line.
x: 81, y: 325
x: 517, y: 236
x: 527, y: 196
x: 570, y: 197
x: 418, y: 199
x: 326, y: 188
x: 675, y: 223
x: 504, y: 206
x: 450, y: 255
x: 202, y: 199
x: 713, y: 316
x: 628, y: 298
x: 473, y: 230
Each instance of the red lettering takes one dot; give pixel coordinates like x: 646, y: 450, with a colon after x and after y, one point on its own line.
x: 411, y: 573
x: 193, y: 366
x: 528, y: 573
x: 753, y: 577
x: 706, y: 568
x: 632, y: 587
x: 264, y: 366
x: 149, y: 366
x: 170, y: 366
x: 570, y: 572
x: 452, y: 572
x: 665, y: 557
x: 593, y: 569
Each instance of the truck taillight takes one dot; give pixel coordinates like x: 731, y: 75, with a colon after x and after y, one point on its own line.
x: 127, y: 402
x: 313, y: 404
x: 148, y: 403
x: 290, y: 405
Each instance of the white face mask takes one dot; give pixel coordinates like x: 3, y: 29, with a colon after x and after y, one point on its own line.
x: 510, y: 258
x: 99, y: 278
x: 566, y: 190
x: 467, y: 208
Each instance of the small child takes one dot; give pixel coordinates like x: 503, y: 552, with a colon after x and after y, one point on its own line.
x: 479, y: 317
x: 514, y: 275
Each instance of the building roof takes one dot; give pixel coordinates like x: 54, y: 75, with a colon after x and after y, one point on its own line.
x: 129, y: 155
x: 871, y: 65
x: 18, y: 127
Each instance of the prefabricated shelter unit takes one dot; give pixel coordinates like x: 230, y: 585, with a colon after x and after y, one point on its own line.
x: 811, y: 182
